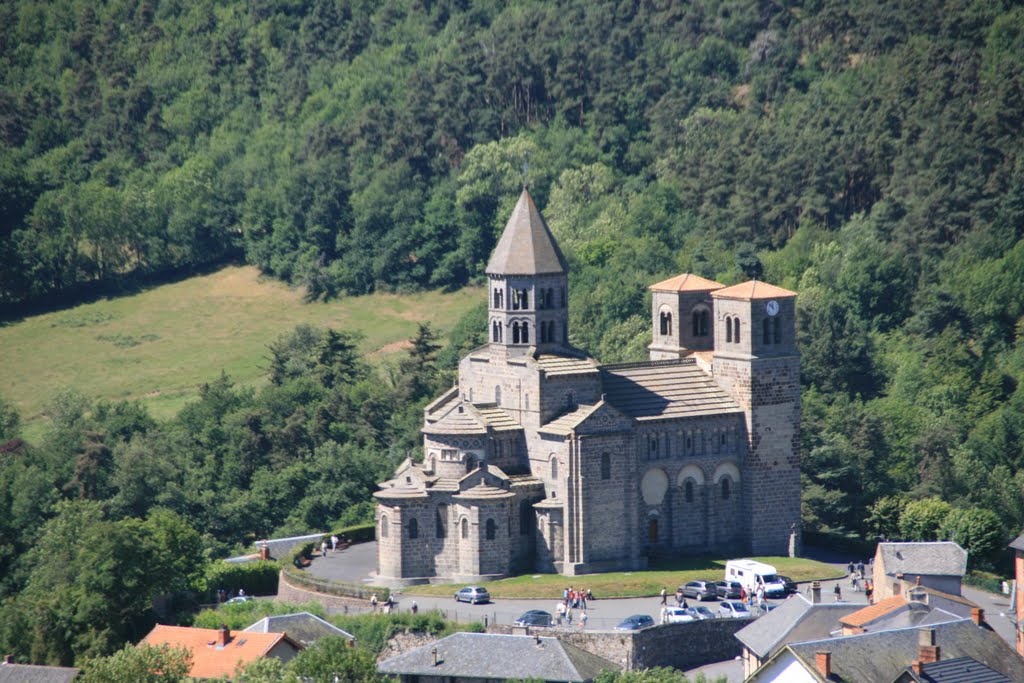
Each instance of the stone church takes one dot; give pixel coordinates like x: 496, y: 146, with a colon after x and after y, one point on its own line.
x: 541, y: 459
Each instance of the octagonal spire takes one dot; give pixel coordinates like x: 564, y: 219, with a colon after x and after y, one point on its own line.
x: 527, y: 246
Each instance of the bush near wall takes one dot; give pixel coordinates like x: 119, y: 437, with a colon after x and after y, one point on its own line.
x: 255, y: 578
x: 986, y: 581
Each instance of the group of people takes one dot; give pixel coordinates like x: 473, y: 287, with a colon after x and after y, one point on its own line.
x: 323, y: 545
x: 388, y: 604
x: 859, y: 577
x: 573, y: 599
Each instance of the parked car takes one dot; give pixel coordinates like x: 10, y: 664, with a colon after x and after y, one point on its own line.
x: 699, y: 590
x: 700, y: 612
x: 733, y: 609
x: 677, y: 615
x: 473, y: 595
x: 728, y: 590
x: 635, y: 622
x: 789, y: 583
x: 238, y: 600
x: 535, y: 617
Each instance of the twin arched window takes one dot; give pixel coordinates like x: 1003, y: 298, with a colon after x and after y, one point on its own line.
x: 521, y: 333
x: 700, y: 323
x: 732, y: 329
x: 499, y: 298
x: 666, y: 323
x: 771, y: 331
x: 546, y: 298
x: 547, y: 331
x: 496, y: 331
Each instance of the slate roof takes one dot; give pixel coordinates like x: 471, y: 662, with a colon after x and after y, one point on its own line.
x: 883, y: 655
x: 658, y: 390
x: 459, y: 420
x: 1018, y: 543
x: 496, y: 418
x: 301, y: 627
x: 564, y: 424
x: 686, y: 282
x: 939, y: 558
x: 959, y: 670
x: 753, y: 289
x: 794, y: 620
x: 30, y: 673
x: 210, y: 660
x: 556, y: 365
x: 527, y: 246
x: 499, y: 657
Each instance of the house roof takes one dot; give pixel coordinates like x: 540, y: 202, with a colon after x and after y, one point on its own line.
x: 659, y: 390
x: 875, y: 611
x: 686, y: 282
x: 210, y: 660
x: 937, y: 558
x: 753, y: 289
x: 527, y: 246
x: 301, y: 627
x: 959, y: 670
x: 30, y: 673
x: 487, y: 655
x: 883, y: 655
x: 794, y: 620
x: 1018, y: 543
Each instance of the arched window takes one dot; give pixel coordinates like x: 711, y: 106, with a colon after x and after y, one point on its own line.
x: 414, y: 528
x: 728, y: 329
x: 495, y: 331
x: 652, y: 531
x: 525, y: 518
x: 777, y: 325
x: 497, y: 298
x: 554, y: 469
x: 570, y: 401
x: 524, y: 299
x: 666, y: 323
x: 688, y: 491
x: 736, y: 330
x: 725, y: 488
x: 551, y: 331
x: 526, y: 333
x: 492, y: 529
x: 515, y: 333
x: 606, y: 466
x: 465, y: 527
x: 766, y: 331
x: 441, y: 522
x: 383, y: 526
x: 700, y: 323
x: 497, y: 394
x: 652, y: 445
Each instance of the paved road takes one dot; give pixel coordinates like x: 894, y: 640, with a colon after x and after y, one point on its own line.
x: 358, y: 564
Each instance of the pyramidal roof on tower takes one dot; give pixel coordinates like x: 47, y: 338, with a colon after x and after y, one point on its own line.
x: 526, y: 246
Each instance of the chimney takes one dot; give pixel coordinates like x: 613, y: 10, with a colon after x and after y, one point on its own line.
x: 927, y: 650
x: 918, y: 669
x: 223, y: 635
x: 823, y: 660
x: 816, y: 593
x: 433, y: 651
x: 978, y: 616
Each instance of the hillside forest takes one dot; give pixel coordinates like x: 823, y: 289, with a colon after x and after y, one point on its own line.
x: 866, y: 154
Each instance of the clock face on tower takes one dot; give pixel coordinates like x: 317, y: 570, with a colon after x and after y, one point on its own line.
x: 772, y: 307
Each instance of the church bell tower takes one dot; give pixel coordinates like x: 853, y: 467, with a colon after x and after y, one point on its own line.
x: 527, y: 285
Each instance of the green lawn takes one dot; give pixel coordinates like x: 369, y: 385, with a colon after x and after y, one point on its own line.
x: 634, y: 584
x: 160, y: 345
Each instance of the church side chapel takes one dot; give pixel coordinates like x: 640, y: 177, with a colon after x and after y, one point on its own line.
x: 542, y: 459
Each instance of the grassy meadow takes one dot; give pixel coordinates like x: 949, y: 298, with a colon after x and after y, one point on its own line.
x: 634, y: 584
x: 160, y: 345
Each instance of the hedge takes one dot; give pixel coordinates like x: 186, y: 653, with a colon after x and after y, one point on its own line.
x: 993, y: 583
x: 255, y: 578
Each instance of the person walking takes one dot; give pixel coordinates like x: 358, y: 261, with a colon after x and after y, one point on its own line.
x: 583, y: 620
x: 414, y: 608
x: 373, y: 602
x: 837, y: 592
x: 334, y: 542
x: 568, y: 617
x: 664, y: 596
x: 323, y: 548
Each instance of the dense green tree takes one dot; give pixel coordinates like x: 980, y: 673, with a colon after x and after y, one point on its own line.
x: 139, y: 664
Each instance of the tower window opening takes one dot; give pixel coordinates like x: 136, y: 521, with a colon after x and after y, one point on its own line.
x: 554, y: 469
x: 725, y: 488
x: 465, y: 528
x: 414, y: 528
x: 606, y: 466
x: 516, y: 334
x: 736, y: 330
x: 524, y: 299
x: 728, y: 329
x: 700, y: 323
x: 497, y: 394
x: 525, y: 333
x: 688, y: 491
x: 666, y: 323
x: 491, y: 529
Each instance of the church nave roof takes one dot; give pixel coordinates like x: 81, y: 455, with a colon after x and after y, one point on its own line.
x: 659, y: 390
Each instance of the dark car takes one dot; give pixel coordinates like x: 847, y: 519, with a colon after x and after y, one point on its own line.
x: 727, y: 590
x: 699, y: 590
x: 789, y: 583
x: 473, y: 595
x: 635, y: 622
x: 535, y: 617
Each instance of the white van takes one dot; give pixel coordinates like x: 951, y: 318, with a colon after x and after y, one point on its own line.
x: 751, y: 574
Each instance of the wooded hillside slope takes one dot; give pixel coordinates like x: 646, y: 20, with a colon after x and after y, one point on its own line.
x: 866, y: 154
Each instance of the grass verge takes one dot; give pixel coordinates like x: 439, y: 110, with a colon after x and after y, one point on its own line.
x: 634, y: 584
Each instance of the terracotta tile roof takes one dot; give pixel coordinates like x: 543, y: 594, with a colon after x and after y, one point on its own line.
x: 872, y: 612
x: 526, y: 246
x: 686, y: 282
x: 754, y: 289
x: 210, y: 660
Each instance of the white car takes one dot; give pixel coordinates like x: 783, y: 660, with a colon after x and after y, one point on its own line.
x: 677, y: 615
x: 733, y: 609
